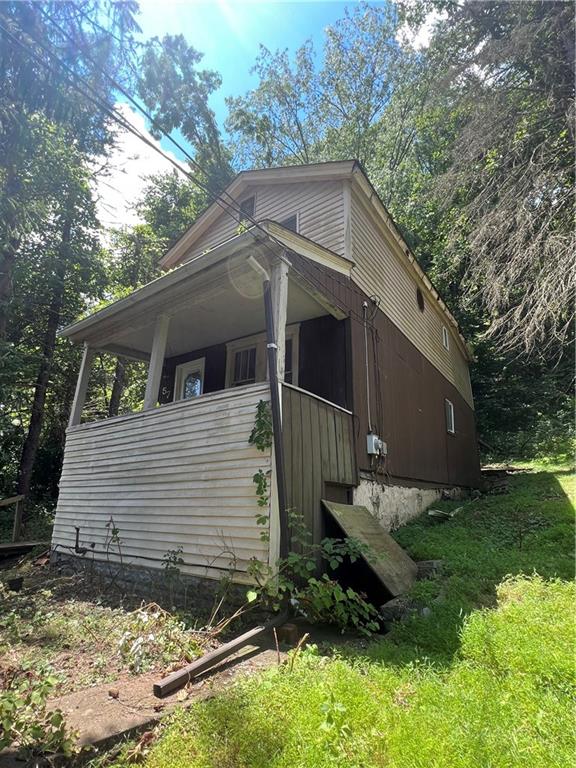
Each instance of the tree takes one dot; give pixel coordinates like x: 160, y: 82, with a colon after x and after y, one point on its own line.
x: 169, y: 205
x: 177, y: 92
x: 509, y: 70
x: 45, y: 47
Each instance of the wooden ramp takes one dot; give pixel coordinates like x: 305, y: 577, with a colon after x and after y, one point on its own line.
x: 389, y: 562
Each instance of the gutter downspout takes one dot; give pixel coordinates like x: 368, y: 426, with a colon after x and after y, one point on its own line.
x: 272, y: 353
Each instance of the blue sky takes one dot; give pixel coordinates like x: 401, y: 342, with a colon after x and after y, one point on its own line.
x: 229, y: 32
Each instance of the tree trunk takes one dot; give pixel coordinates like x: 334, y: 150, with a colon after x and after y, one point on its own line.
x: 117, y: 387
x: 48, y: 347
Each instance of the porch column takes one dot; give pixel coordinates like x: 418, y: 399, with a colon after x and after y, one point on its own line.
x: 81, y: 386
x: 156, y: 361
x: 279, y: 287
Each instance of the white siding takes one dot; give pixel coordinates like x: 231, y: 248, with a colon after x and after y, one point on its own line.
x: 178, y: 475
x: 380, y: 269
x: 319, y: 205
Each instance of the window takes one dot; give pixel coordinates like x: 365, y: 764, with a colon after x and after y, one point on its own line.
x: 246, y: 359
x: 290, y: 223
x: 189, y: 380
x: 244, y: 367
x: 420, y: 299
x: 445, y: 337
x: 247, y: 208
x: 449, y: 408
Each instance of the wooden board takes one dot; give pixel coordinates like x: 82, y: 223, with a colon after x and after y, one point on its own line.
x: 389, y: 562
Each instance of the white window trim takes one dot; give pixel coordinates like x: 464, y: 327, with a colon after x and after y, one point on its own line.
x: 259, y: 341
x: 450, y: 428
x: 182, y: 370
x: 297, y: 214
x: 445, y: 338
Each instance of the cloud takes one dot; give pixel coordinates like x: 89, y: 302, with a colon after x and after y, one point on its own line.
x: 121, y: 183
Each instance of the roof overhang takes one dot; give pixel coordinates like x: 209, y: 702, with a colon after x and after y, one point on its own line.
x: 206, y: 275
x: 244, y: 181
x: 361, y: 181
x: 327, y: 171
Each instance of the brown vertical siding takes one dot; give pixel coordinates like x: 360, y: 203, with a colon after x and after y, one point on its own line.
x: 407, y: 396
x: 318, y: 451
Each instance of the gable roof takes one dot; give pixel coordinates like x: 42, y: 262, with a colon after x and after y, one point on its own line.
x: 335, y: 170
x: 330, y: 171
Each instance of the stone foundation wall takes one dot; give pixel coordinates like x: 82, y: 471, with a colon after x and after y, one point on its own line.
x: 190, y: 592
x: 395, y: 505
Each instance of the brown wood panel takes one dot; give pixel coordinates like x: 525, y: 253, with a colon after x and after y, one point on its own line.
x: 318, y: 449
x: 407, y: 398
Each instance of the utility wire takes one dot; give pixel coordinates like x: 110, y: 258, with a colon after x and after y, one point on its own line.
x: 100, y: 103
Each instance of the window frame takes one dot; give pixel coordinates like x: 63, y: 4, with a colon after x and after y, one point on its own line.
x: 449, y: 416
x: 181, y: 372
x: 295, y: 215
x: 258, y: 340
x: 446, y: 338
x: 241, y: 214
x: 420, y: 300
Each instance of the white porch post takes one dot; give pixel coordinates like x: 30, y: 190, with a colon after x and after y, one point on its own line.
x: 279, y: 288
x: 81, y: 386
x: 156, y: 361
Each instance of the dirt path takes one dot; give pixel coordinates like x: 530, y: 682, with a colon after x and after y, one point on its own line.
x: 97, y: 716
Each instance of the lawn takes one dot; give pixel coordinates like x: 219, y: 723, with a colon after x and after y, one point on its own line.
x: 483, y: 677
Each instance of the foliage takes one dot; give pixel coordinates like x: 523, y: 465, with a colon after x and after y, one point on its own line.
x: 26, y: 721
x: 499, y: 694
x: 177, y: 94
x: 509, y: 70
x: 324, y: 600
x: 261, y: 435
x: 154, y: 636
x: 321, y: 600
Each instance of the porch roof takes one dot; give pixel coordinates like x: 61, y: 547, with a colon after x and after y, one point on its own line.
x: 210, y: 299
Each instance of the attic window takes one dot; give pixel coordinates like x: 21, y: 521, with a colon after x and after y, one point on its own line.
x: 420, y: 299
x: 291, y: 222
x: 445, y: 337
x: 247, y: 208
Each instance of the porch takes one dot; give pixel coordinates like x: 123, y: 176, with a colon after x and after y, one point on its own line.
x: 179, y: 473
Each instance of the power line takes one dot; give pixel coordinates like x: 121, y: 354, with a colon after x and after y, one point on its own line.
x: 100, y: 103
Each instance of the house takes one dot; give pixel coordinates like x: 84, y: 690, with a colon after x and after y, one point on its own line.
x: 299, y: 272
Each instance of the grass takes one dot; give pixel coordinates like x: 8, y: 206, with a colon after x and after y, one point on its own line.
x: 485, y: 678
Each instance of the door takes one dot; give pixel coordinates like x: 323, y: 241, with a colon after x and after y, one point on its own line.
x: 189, y: 380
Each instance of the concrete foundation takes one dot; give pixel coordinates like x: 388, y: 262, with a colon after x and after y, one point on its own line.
x: 395, y: 505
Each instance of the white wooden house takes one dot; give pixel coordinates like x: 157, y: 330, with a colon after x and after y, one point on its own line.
x: 365, y: 346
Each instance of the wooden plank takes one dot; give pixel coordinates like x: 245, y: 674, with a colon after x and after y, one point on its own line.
x: 287, y: 438
x: 391, y: 565
x: 316, y: 471
x: 296, y: 454
x: 17, y: 527
x: 13, y: 548
x: 11, y: 500
x: 186, y: 674
x: 308, y: 461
